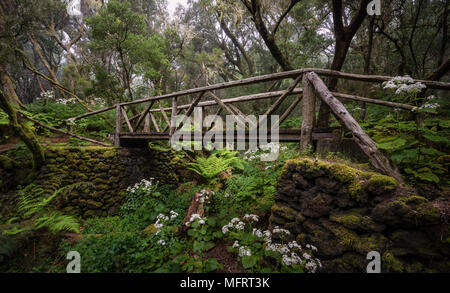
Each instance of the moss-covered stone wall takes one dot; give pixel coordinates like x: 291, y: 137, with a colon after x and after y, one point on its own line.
x: 346, y: 213
x: 108, y: 170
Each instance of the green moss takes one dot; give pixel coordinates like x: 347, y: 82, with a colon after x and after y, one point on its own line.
x: 346, y: 237
x: 93, y: 204
x: 355, y: 221
x: 343, y: 173
x: 7, y: 163
x: 374, y: 242
x: 284, y: 212
x: 89, y: 214
x: 351, y: 178
x: 391, y: 263
x: 381, y: 184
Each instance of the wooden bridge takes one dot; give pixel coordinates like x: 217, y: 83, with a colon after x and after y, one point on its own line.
x: 138, y: 129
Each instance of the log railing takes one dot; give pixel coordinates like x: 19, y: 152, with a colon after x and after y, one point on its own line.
x: 312, y: 86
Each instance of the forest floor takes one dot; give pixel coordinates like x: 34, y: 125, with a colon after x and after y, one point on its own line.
x: 53, y: 140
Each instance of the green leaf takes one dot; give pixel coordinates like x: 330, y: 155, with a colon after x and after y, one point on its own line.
x: 249, y: 261
x: 392, y: 145
x: 198, y: 246
x: 437, y: 138
x: 211, y: 265
x: 405, y: 155
x: 444, y: 123
x: 428, y: 176
x: 431, y: 152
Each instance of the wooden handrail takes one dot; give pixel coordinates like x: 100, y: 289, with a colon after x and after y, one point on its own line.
x: 266, y: 78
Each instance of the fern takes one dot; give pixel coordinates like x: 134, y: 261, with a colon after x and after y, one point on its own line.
x: 216, y: 163
x: 32, y: 205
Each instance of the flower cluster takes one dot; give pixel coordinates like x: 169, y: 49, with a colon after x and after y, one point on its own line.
x: 163, y: 219
x: 47, y: 95
x: 237, y: 224
x: 430, y: 103
x: 66, y: 101
x: 205, y: 196
x: 245, y: 251
x: 277, y: 229
x: 291, y: 253
x: 251, y: 217
x: 403, y: 84
x: 272, y: 147
x: 144, y: 185
x: 173, y: 214
x: 160, y: 219
x: 194, y: 217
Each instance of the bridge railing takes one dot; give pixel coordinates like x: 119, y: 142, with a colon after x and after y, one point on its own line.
x: 312, y: 84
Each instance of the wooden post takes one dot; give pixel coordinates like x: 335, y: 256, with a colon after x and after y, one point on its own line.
x: 308, y: 113
x: 378, y: 160
x: 173, y: 117
x: 147, y: 123
x: 118, y: 126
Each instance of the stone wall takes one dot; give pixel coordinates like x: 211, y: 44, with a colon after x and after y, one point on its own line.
x: 109, y: 171
x: 346, y: 213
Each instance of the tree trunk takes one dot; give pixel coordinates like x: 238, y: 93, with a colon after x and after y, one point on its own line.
x: 23, y: 132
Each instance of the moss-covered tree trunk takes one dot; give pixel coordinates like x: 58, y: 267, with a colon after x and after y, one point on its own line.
x: 23, y: 132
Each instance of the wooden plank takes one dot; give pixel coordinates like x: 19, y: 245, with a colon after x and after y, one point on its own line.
x: 124, y: 114
x: 283, y: 137
x: 118, y: 126
x: 227, y: 109
x: 191, y: 109
x: 308, y: 113
x: 219, y: 110
x: 141, y: 118
x: 289, y: 74
x: 164, y: 114
x: 147, y: 123
x: 283, y: 96
x: 236, y: 109
x: 378, y: 160
x: 288, y: 111
x: 154, y: 122
x: 173, y: 121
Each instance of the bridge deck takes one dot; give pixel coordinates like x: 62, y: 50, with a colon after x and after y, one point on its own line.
x: 141, y: 139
